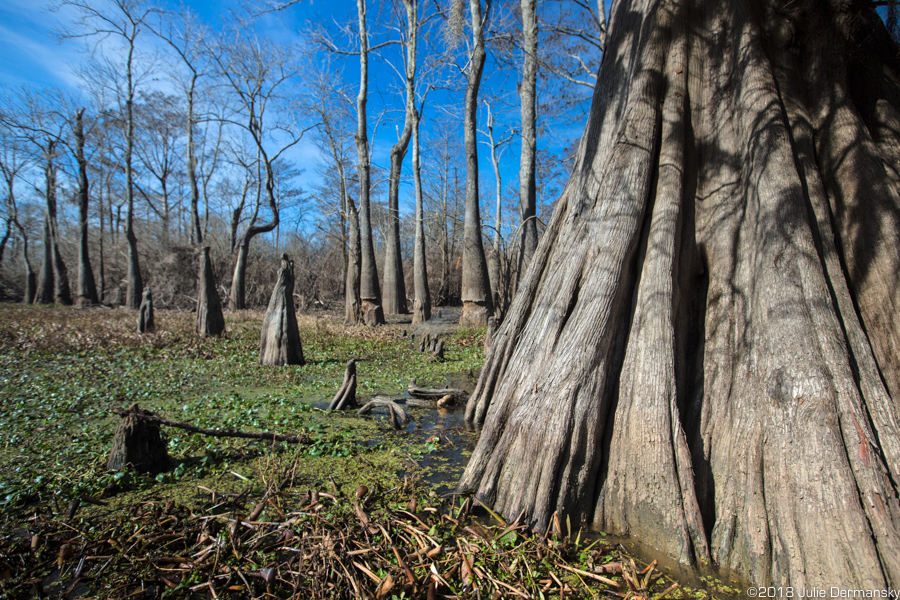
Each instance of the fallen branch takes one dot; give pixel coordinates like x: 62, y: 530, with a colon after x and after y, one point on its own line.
x: 253, y: 435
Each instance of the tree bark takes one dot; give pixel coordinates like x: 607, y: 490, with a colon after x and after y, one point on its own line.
x: 146, y: 322
x: 476, y: 286
x: 369, y: 290
x: 696, y: 348
x: 528, y: 98
x: 134, y: 286
x: 394, y: 297
x: 352, y: 306
x: 210, y: 320
x: 422, y: 302
x: 138, y: 444
x: 238, y: 281
x: 54, y: 286
x: 45, y: 285
x: 196, y: 228
x: 87, y: 288
x: 280, y: 340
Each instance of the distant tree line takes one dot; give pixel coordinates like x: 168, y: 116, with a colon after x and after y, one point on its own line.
x: 183, y: 134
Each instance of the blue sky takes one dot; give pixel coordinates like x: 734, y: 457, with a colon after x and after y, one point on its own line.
x: 31, y: 55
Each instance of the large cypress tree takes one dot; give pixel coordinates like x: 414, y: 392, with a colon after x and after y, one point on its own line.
x: 703, y: 351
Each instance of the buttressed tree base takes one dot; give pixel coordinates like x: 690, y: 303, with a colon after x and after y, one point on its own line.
x: 703, y: 351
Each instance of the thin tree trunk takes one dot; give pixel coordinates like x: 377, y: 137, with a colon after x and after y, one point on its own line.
x: 87, y: 288
x: 476, y: 285
x: 352, y: 304
x: 134, y: 287
x: 696, y: 348
x: 369, y: 290
x: 196, y: 229
x: 45, y: 285
x: 527, y: 97
x: 422, y: 305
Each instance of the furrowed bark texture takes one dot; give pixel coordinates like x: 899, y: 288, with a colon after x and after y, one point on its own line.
x: 279, y: 342
x: 700, y: 352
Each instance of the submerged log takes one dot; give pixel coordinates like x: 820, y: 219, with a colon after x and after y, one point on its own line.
x: 346, y: 395
x: 434, y: 394
x: 138, y: 442
x: 279, y: 342
x: 210, y: 320
x: 145, y: 313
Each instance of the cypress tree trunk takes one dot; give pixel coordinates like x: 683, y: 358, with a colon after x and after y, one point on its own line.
x: 210, y: 320
x: 44, y: 293
x: 528, y: 96
x: 698, y: 353
x: 422, y: 305
x: 352, y: 307
x: 476, y: 285
x: 279, y: 343
x: 87, y: 288
x: 369, y: 290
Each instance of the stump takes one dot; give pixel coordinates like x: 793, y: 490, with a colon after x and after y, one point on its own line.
x: 279, y: 342
x: 145, y: 313
x: 138, y: 443
x: 346, y: 395
x: 210, y: 320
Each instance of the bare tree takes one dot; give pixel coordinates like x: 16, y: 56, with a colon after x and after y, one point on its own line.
x: 394, y: 296
x: 256, y: 74
x: 87, y: 288
x: 38, y: 121
x: 13, y: 161
x: 498, y: 275
x: 476, y: 286
x: 160, y: 120
x: 369, y: 290
x: 185, y: 35
x: 422, y: 301
x: 123, y: 21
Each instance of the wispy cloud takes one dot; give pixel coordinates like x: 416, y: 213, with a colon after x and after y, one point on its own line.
x: 29, y: 52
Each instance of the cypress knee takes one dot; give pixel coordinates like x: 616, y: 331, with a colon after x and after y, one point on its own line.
x: 145, y: 313
x: 279, y: 343
x: 210, y: 320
